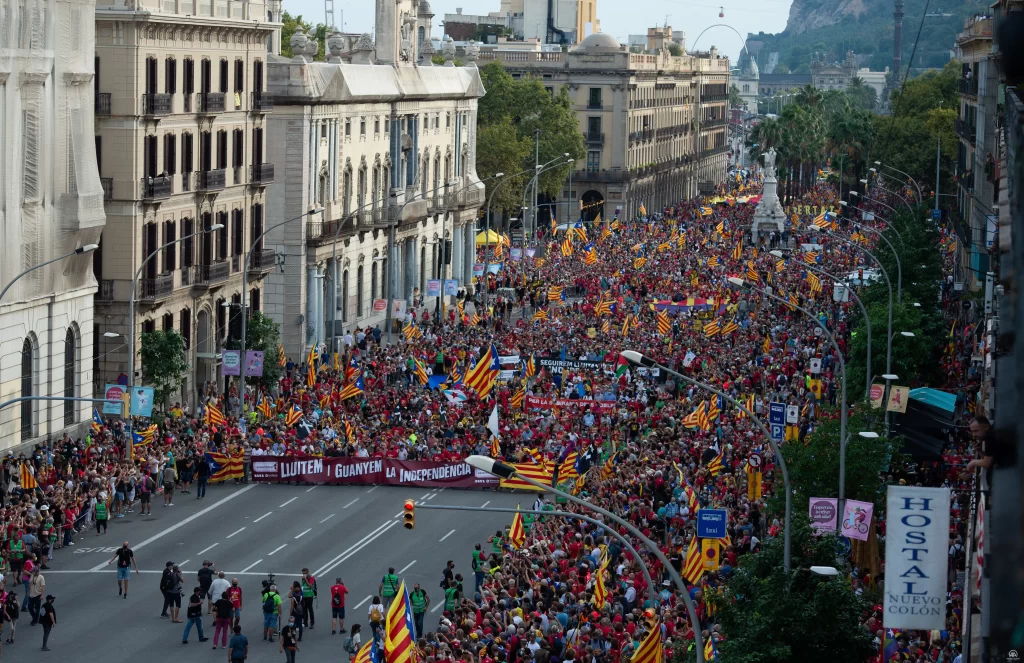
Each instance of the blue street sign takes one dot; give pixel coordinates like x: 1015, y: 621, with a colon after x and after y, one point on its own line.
x: 936, y: 214
x: 711, y: 523
x: 777, y: 420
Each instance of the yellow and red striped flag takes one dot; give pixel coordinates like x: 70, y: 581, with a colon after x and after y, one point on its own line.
x: 649, y: 650
x: 28, y: 480
x: 664, y: 324
x: 600, y: 591
x: 399, y: 630
x: 517, y: 533
x: 693, y: 565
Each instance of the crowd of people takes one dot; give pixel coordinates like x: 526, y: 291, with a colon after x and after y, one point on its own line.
x: 657, y: 284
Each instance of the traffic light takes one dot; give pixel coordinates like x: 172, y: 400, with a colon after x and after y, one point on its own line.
x: 409, y: 517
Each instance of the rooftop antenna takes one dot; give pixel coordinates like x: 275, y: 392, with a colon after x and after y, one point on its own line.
x: 666, y: 20
x: 329, y: 16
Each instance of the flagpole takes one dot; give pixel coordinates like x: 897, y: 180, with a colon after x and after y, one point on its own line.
x: 506, y: 471
x: 652, y: 591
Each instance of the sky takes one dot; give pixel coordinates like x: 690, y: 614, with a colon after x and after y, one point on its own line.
x: 620, y: 18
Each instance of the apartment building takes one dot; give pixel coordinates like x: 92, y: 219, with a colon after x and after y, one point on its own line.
x: 654, y: 124
x: 51, y: 204
x: 181, y: 134
x: 383, y: 145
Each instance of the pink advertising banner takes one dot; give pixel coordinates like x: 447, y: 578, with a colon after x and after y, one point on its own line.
x: 370, y: 471
x: 823, y: 512
x: 857, y: 519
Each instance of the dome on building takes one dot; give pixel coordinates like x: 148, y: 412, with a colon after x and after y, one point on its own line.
x: 424, y: 9
x: 599, y: 41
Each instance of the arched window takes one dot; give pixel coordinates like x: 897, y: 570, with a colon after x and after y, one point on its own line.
x: 359, y: 292
x: 27, y: 381
x: 70, y: 377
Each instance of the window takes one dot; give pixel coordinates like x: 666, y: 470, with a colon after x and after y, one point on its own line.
x: 151, y: 75
x: 188, y: 77
x: 344, y: 296
x: 595, y: 98
x: 149, y: 148
x: 169, y: 250
x: 594, y: 127
x: 187, y: 245
x: 239, y: 76
x: 376, y: 126
x: 222, y: 149
x: 205, y: 75
x: 362, y: 126
x: 206, y: 240
x: 387, y: 125
x: 257, y: 76
x: 373, y: 280
x: 593, y: 161
x: 148, y: 326
x: 185, y: 326
x: 257, y: 145
x: 187, y: 158
x: 348, y: 128
x: 205, y: 151
x: 237, y: 148
x: 224, y: 76
x: 237, y: 232
x: 323, y: 130
x: 359, y: 291
x: 70, y: 357
x: 448, y: 120
x: 27, y: 382
x: 170, y: 154
x: 222, y: 236
x: 257, y: 225
x: 170, y: 75
x: 167, y: 322
x: 254, y: 299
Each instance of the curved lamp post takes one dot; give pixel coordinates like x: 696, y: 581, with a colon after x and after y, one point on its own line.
x: 638, y: 359
x: 891, y: 226
x: 533, y: 181
x: 917, y: 186
x: 506, y: 471
x: 842, y: 368
x: 88, y: 248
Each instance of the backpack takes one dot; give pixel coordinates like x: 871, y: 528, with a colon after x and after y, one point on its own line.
x: 375, y: 614
x: 269, y: 604
x: 165, y: 581
x: 959, y: 556
x: 348, y: 645
x: 336, y: 601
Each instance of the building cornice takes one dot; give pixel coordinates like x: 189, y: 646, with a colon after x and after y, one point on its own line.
x: 263, y: 28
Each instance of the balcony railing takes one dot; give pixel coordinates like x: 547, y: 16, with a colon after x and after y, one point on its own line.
x: 261, y: 103
x: 711, y: 98
x: 108, y: 188
x: 106, y: 290
x: 966, y: 130
x: 643, y: 134
x: 210, y: 180
x: 714, y: 123
x: 155, y: 289
x: 600, y: 175
x: 205, y: 275
x: 102, y: 106
x: 319, y: 232
x: 261, y: 173
x: 156, y: 104
x: 595, y: 138
x: 968, y: 86
x: 463, y: 199
x: 210, y: 102
x: 154, y: 188
x: 263, y: 260
x: 712, y: 151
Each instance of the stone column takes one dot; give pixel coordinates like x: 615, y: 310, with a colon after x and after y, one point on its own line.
x: 332, y: 301
x: 316, y: 160
x: 411, y: 267
x: 458, y: 252
x: 311, y: 303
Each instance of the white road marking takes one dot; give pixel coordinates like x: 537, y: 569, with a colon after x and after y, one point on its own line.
x: 263, y: 516
x: 278, y: 549
x: 236, y: 532
x: 326, y: 519
x: 425, y: 496
x: 362, y: 603
x: 484, y: 505
x: 309, y: 490
x: 251, y: 565
x: 206, y: 550
x: 356, y: 548
x: 304, y: 533
x: 371, y: 490
x: 350, y: 503
x: 186, y: 521
x: 406, y: 567
x: 288, y: 502
x: 182, y: 565
x: 437, y: 607
x: 446, y: 535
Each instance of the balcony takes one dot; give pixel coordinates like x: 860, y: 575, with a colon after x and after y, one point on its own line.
x: 612, y: 175
x: 968, y: 86
x: 261, y: 173
x: 210, y: 180
x: 102, y: 104
x: 210, y: 102
x: 714, y: 123
x: 157, y: 188
x: 712, y: 98
x: 262, y: 261
x: 712, y: 151
x: 435, y: 203
x: 642, y: 135
x: 595, y: 138
x: 108, y: 188
x: 463, y: 199
x: 155, y: 105
x: 106, y: 291
x: 261, y: 103
x: 153, y: 290
x: 965, y: 130
x: 203, y: 276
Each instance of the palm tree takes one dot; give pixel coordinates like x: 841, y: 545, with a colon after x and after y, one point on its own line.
x: 809, y: 96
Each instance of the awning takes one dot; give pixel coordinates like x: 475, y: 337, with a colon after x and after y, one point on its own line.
x: 936, y: 398
x: 928, y: 423
x: 485, y: 238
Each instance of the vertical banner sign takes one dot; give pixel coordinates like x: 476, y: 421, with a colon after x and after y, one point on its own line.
x: 142, y: 402
x: 253, y: 363
x: 877, y: 394
x: 114, y: 392
x: 451, y: 287
x: 898, y: 397
x: 230, y: 363
x: 916, y: 545
x: 433, y: 287
x: 857, y: 519
x: 823, y: 512
x: 478, y: 269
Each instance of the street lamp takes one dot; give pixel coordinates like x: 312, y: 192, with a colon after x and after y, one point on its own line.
x: 920, y: 197
x: 842, y: 368
x: 540, y: 168
x: 863, y: 309
x: 88, y: 248
x: 891, y: 226
x: 888, y: 283
x: 505, y: 471
x: 896, y: 255
x: 638, y: 359
x: 875, y: 200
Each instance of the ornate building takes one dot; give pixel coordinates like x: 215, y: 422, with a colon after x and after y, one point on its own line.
x: 833, y: 75
x: 51, y: 203
x: 181, y: 136
x: 382, y: 145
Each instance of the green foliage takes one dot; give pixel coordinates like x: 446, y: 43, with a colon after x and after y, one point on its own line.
x: 916, y: 360
x: 862, y: 96
x: 263, y: 333
x: 507, y: 152
x: 769, y: 616
x: 291, y: 24
x: 734, y: 97
x: 675, y: 49
x: 525, y: 105
x: 164, y: 365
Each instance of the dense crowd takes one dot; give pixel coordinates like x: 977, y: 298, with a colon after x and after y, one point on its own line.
x: 656, y: 284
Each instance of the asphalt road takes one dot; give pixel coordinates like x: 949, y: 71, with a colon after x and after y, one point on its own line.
x: 250, y: 531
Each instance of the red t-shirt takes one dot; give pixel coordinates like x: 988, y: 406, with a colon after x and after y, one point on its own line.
x: 338, y: 596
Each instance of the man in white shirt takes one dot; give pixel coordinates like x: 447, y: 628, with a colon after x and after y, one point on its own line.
x: 219, y: 585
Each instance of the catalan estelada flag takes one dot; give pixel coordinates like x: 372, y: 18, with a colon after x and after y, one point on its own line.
x: 642, y: 209
x: 711, y: 329
x: 567, y: 246
x: 600, y: 591
x: 264, y: 407
x: 282, y: 360
x: 589, y: 255
x: 730, y: 327
x: 693, y: 565
x: 517, y: 533
x: 311, y: 361
x: 529, y: 366
x: 28, y: 480
x: 481, y: 377
x: 518, y: 398
x: 352, y: 389
x: 213, y: 415
x: 693, y: 419
x: 608, y: 469
x: 715, y: 466
x: 421, y: 371
x: 225, y: 466
x: 664, y: 324
x: 97, y: 421
x: 399, y: 630
x: 814, y: 281
x: 649, y: 650
x: 293, y: 416
x: 737, y: 251
x: 368, y: 653
x: 555, y: 293
x: 712, y: 262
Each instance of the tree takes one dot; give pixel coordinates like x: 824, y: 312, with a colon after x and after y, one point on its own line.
x: 292, y: 24
x: 769, y: 616
x: 506, y: 152
x: 734, y: 97
x: 262, y: 333
x: 164, y: 365
x: 780, y: 68
x: 675, y: 49
x: 862, y: 96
